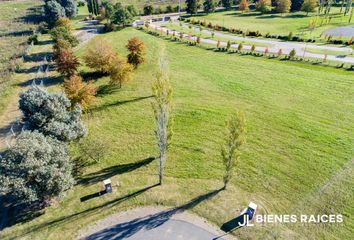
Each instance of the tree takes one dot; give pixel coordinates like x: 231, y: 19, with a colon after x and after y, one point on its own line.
x: 292, y: 54
x: 122, y: 16
x: 296, y: 5
x: 136, y: 50
x: 253, y: 48
x: 228, y: 45
x: 264, y: 6
x: 120, y: 72
x: 65, y: 34
x: 51, y: 114
x: 59, y: 45
x: 67, y: 63
x: 79, y: 92
x: 162, y: 92
x: 230, y: 150
x: 132, y: 10
x: 244, y: 6
x: 148, y: 10
x: 52, y: 12
x: 36, y: 168
x: 209, y: 6
x: 63, y: 22
x: 108, y: 10
x: 100, y: 56
x: 192, y: 6
x: 70, y: 7
x: 240, y: 47
x: 280, y: 52
x: 226, y: 4
x: 283, y: 6
x: 309, y: 6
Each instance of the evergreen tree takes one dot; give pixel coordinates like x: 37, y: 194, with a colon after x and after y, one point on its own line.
x: 70, y: 7
x: 36, y: 168
x: 53, y: 11
x: 296, y: 5
x: 192, y: 6
x: 209, y: 6
x: 226, y: 4
x: 51, y: 114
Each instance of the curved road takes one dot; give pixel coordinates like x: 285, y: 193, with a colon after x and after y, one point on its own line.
x: 275, y: 45
x: 152, y: 223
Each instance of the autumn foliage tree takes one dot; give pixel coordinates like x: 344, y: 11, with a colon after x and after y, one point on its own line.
x: 79, y: 92
x: 309, y: 6
x: 100, y: 56
x: 244, y: 6
x: 137, y: 51
x: 67, y: 63
x: 120, y: 72
x: 264, y: 6
x: 283, y: 6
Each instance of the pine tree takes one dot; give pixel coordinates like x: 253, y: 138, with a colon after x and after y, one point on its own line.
x: 192, y: 6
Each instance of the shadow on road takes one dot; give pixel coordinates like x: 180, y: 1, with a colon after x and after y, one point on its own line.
x: 127, y: 229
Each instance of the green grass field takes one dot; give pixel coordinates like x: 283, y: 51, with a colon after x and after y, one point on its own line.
x: 296, y: 159
x: 12, y: 34
x: 276, y: 24
x: 345, y: 52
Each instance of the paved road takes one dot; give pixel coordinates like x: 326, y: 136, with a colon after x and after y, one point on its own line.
x: 153, y: 223
x: 347, y: 31
x: 274, y: 45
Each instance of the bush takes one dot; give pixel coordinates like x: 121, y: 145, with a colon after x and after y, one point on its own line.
x: 292, y: 54
x: 36, y: 168
x: 33, y: 39
x: 79, y: 92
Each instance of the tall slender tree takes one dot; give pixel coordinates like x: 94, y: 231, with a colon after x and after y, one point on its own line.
x: 230, y: 150
x: 162, y: 109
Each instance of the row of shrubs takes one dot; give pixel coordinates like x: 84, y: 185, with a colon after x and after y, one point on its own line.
x: 249, y: 33
x: 291, y: 56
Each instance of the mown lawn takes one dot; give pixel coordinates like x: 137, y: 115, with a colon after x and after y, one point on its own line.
x: 296, y: 159
x: 276, y: 24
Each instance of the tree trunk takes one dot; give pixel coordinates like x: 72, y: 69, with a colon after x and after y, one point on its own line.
x: 161, y: 169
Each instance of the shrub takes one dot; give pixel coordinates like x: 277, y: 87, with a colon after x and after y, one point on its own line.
x: 218, y: 44
x: 33, y: 39
x: 290, y: 36
x: 148, y: 10
x: 240, y: 47
x: 78, y: 92
x: 100, y: 56
x: 280, y: 52
x: 36, y: 168
x: 228, y: 46
x: 63, y: 22
x: 67, y: 63
x: 50, y: 114
x: 137, y: 52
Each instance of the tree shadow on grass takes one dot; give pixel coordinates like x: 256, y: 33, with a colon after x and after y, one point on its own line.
x: 112, y: 171
x: 38, y: 57
x: 124, y: 230
x: 129, y: 228
x: 118, y: 103
x: 50, y: 81
x: 88, y: 212
x: 12, y: 213
x: 89, y: 76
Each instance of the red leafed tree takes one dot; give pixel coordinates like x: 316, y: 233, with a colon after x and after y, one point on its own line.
x: 137, y: 51
x: 67, y: 63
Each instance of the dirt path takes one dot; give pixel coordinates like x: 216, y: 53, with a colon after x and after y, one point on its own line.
x: 151, y: 223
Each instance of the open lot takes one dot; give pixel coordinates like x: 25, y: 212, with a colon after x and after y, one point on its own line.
x: 297, y: 158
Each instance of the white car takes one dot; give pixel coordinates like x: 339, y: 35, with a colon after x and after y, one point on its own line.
x: 250, y: 210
